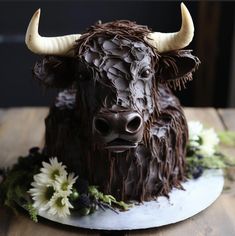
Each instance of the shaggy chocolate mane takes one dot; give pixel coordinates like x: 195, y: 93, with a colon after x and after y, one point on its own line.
x: 157, y: 164
x: 150, y: 170
x: 119, y: 28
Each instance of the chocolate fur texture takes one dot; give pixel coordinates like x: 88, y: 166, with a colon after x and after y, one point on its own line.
x: 115, y: 70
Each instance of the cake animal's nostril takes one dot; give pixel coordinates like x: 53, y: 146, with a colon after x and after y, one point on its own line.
x: 101, y: 126
x: 134, y: 124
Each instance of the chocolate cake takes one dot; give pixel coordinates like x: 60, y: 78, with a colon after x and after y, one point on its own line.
x: 115, y: 121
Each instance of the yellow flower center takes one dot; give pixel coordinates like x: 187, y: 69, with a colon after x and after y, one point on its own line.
x: 49, y: 193
x: 59, y: 203
x: 55, y: 173
x: 64, y: 186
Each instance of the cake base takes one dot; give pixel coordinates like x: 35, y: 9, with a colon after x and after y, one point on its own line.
x: 198, y: 195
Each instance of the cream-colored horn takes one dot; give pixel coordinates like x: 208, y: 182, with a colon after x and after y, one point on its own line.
x: 59, y: 46
x: 165, y: 42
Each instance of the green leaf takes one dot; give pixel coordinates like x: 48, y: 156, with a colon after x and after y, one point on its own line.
x: 124, y: 205
x: 32, y: 211
x: 108, y: 199
x: 93, y: 191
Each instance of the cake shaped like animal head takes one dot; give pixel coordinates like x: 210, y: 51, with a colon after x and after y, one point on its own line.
x: 119, y: 74
x: 117, y: 67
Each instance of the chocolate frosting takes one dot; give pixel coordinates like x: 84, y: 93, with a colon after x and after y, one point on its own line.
x: 116, y: 71
x: 143, y: 173
x: 66, y: 99
x: 119, y: 64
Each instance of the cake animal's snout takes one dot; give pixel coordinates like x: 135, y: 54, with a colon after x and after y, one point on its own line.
x: 118, y: 131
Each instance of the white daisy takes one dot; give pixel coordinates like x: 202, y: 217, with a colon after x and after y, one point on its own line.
x: 51, y: 188
x: 59, y: 205
x: 51, y: 171
x: 209, y: 141
x: 41, y: 195
x: 195, y: 129
x: 64, y: 184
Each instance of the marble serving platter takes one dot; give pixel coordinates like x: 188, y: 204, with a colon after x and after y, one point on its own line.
x: 182, y: 204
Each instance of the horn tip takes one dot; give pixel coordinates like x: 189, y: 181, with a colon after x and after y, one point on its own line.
x: 185, y: 14
x: 184, y: 8
x: 37, y: 13
x: 182, y: 5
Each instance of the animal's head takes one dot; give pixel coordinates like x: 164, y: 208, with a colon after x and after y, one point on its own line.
x: 116, y: 68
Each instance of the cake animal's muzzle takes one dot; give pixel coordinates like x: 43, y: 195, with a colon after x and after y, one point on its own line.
x: 118, y: 131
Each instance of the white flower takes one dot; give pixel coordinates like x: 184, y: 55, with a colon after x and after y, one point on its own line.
x: 59, y: 205
x: 195, y: 129
x: 41, y: 195
x: 51, y: 188
x: 51, y: 171
x: 209, y: 141
x: 64, y: 184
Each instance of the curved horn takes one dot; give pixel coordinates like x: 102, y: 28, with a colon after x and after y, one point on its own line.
x: 59, y: 46
x: 164, y: 42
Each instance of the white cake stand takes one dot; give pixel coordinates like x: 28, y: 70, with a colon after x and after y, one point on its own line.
x: 198, y: 195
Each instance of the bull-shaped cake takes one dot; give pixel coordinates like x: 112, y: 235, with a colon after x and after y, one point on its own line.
x: 115, y: 121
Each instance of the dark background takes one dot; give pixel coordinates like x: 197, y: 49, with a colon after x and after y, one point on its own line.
x: 213, y: 43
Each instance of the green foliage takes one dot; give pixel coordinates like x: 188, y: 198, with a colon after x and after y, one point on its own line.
x: 227, y: 138
x: 214, y: 162
x: 18, y: 180
x: 108, y: 199
x: 15, y: 187
x: 32, y: 211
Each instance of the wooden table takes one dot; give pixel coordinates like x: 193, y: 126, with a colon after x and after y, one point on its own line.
x: 22, y: 128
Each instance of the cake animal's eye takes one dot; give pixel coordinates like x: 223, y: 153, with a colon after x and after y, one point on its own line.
x: 145, y: 73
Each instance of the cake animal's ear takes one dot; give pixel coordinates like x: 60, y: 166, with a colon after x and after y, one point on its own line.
x: 175, y: 68
x: 54, y: 72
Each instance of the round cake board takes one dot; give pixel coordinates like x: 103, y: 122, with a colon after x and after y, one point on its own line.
x: 182, y: 204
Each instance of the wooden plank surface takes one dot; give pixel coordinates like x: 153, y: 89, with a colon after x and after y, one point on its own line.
x: 23, y: 128
x: 228, y: 117
x: 20, y: 128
